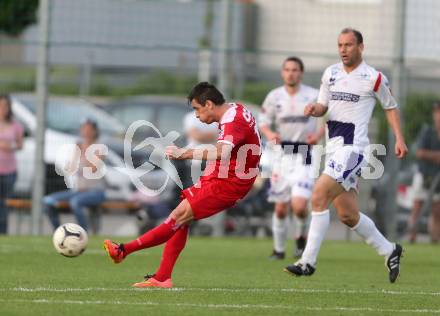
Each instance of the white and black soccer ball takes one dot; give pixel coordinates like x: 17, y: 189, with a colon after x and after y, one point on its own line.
x: 70, y: 240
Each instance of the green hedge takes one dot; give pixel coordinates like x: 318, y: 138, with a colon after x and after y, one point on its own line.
x: 416, y: 112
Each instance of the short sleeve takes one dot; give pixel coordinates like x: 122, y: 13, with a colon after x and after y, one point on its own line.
x: 232, y: 129
x: 323, y: 95
x: 267, y: 113
x: 383, y: 93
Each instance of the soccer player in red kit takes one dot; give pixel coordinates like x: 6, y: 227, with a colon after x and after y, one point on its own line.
x: 231, y: 171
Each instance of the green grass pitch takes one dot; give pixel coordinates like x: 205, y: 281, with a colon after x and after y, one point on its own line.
x: 215, y: 277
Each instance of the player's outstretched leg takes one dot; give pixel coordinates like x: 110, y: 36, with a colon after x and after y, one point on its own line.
x: 115, y: 251
x: 372, y: 236
x: 324, y: 191
x: 393, y: 263
x: 300, y: 269
x: 153, y: 237
x: 172, y: 250
x: 318, y: 227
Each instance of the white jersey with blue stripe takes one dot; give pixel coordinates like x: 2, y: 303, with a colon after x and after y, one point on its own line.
x: 350, y: 98
x: 287, y: 112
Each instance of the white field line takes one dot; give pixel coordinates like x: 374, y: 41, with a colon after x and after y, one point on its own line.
x: 220, y: 290
x: 225, y: 306
x: 49, y: 250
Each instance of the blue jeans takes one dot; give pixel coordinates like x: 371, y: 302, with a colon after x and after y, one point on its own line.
x: 7, y: 182
x: 78, y: 200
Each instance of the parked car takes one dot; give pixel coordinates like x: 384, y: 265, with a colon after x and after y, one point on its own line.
x: 64, y: 117
x: 405, y: 197
x: 166, y: 113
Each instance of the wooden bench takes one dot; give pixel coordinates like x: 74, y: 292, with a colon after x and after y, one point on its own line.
x: 25, y: 205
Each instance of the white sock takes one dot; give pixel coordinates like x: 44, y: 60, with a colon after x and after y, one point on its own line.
x: 279, y: 230
x: 301, y: 226
x: 318, y: 228
x: 372, y: 236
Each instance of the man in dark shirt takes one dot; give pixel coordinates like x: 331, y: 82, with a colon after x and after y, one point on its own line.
x: 428, y: 178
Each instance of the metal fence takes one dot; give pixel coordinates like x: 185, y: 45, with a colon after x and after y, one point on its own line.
x: 115, y: 48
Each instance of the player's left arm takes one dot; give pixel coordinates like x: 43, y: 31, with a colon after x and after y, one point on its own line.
x: 393, y: 117
x: 220, y: 151
x: 383, y: 94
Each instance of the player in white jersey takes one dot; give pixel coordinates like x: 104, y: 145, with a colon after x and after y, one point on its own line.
x: 348, y: 94
x: 292, y: 179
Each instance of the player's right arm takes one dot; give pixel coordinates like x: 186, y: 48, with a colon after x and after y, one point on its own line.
x: 221, y: 151
x: 270, y: 135
x: 319, y: 108
x: 266, y: 118
x: 316, y: 110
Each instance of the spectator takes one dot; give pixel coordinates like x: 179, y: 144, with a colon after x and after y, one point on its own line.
x: 88, y: 192
x: 11, y: 139
x: 428, y: 155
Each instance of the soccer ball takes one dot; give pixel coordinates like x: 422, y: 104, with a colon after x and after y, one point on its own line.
x: 70, y: 240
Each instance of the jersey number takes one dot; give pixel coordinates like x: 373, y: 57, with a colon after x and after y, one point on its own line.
x: 248, y: 118
x: 247, y: 115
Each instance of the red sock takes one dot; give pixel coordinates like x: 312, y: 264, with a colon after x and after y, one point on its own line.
x: 171, y: 252
x: 153, y: 237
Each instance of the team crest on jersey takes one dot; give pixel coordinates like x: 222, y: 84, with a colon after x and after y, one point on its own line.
x: 332, y: 81
x: 365, y: 76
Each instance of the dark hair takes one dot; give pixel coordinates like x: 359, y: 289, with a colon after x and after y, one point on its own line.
x: 296, y: 60
x: 436, y: 105
x: 356, y: 33
x: 204, y: 91
x: 7, y: 98
x: 93, y: 123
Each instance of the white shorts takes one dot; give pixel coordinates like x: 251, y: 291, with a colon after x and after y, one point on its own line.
x: 421, y: 189
x: 345, y: 166
x: 290, y: 178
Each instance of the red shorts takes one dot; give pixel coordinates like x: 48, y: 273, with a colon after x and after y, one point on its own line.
x: 209, y: 197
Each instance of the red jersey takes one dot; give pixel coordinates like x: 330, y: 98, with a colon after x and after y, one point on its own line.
x: 225, y: 182
x: 239, y: 129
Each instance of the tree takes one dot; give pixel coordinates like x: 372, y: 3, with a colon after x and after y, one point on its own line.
x: 17, y: 15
